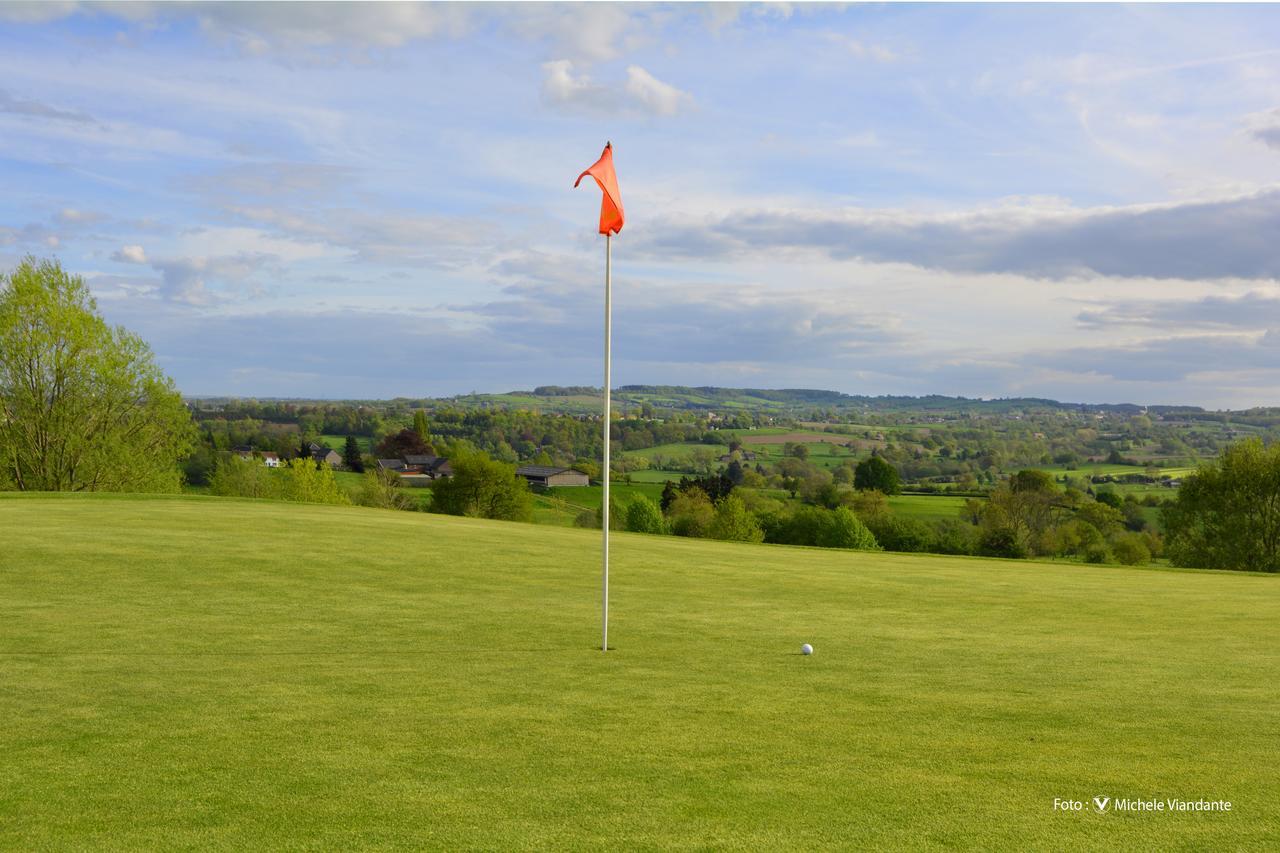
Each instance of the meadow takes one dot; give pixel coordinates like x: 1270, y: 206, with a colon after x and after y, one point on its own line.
x: 231, y: 674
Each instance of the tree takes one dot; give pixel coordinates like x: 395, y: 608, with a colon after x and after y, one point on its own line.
x: 406, y: 442
x: 644, y: 516
x: 351, y: 455
x: 383, y: 489
x: 875, y: 473
x: 303, y: 481
x: 234, y: 477
x: 691, y: 513
x: 483, y: 488
x: 1022, y: 509
x: 420, y: 426
x: 734, y: 523
x: 1227, y: 514
x: 83, y: 405
x: 842, y: 529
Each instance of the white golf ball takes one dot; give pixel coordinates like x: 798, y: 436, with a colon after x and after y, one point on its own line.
x: 806, y: 649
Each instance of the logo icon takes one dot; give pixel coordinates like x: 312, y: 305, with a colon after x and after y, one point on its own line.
x: 1100, y: 804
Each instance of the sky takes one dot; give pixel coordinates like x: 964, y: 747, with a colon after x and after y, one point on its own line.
x: 376, y: 200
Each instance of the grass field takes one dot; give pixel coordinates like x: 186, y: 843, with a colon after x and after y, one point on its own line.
x: 202, y: 672
x: 926, y: 507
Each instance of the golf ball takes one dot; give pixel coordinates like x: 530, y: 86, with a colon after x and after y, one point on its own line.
x: 806, y: 649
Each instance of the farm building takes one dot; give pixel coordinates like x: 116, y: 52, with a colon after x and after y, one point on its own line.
x: 327, y: 455
x: 417, y: 470
x: 432, y: 467
x: 545, y: 476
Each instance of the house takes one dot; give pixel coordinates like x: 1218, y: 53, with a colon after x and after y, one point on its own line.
x: 546, y: 476
x: 248, y: 454
x: 327, y: 455
x: 740, y: 455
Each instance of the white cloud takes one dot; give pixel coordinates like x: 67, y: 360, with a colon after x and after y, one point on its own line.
x: 642, y: 93
x: 561, y: 86
x: 130, y: 255
x: 653, y: 95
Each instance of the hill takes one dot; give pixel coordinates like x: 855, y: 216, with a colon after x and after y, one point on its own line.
x: 581, y: 399
x: 185, y: 672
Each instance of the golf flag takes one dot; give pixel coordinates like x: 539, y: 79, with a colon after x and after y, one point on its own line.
x: 611, y: 204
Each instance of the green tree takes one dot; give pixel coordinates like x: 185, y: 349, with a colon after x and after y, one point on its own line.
x: 1227, y: 514
x: 842, y: 529
x: 483, y: 488
x: 733, y: 522
x: 234, y: 477
x: 351, y: 456
x: 644, y: 516
x: 303, y: 481
x: 1131, y: 549
x: 420, y: 426
x: 875, y: 473
x: 83, y: 405
x: 383, y: 489
x: 1023, y: 509
x: 691, y: 513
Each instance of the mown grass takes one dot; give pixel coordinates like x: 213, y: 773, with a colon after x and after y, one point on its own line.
x: 202, y: 672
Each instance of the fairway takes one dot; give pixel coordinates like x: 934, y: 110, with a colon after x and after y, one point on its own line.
x: 216, y: 673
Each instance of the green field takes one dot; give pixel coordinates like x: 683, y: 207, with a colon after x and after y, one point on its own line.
x: 926, y: 507
x: 201, y: 672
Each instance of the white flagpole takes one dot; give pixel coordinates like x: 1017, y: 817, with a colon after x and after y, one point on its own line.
x: 604, y: 514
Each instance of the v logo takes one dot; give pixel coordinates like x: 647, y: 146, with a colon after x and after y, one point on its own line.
x: 1101, y: 803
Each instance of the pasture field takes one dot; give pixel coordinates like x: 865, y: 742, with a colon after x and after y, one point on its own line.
x: 229, y: 674
x: 592, y: 496
x: 926, y: 507
x: 338, y: 442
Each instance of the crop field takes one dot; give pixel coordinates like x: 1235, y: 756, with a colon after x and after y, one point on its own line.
x: 214, y: 673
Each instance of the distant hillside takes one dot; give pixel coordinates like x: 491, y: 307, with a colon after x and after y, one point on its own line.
x: 578, y: 398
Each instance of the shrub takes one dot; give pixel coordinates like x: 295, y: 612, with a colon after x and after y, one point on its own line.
x: 243, y: 478
x: 1000, y: 542
x: 734, y: 523
x: 902, y: 534
x: 842, y: 529
x: 691, y: 513
x: 382, y: 489
x: 952, y: 536
x: 644, y: 516
x: 303, y: 481
x: 1131, y: 549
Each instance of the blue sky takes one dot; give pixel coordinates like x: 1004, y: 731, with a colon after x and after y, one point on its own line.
x: 288, y: 199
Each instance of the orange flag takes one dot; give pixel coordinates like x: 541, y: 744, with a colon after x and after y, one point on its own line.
x: 611, y: 204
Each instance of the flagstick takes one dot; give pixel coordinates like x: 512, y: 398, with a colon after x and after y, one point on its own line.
x: 608, y: 322
x: 604, y: 593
